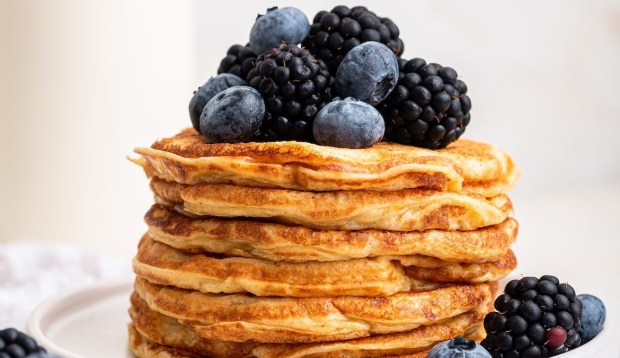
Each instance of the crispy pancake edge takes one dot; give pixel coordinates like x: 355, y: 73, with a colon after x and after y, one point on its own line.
x: 277, y: 242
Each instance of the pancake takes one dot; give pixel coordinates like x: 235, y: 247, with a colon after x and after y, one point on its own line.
x: 155, y: 335
x: 380, y: 276
x: 464, y: 165
x: 402, y: 210
x: 242, y: 317
x: 276, y: 242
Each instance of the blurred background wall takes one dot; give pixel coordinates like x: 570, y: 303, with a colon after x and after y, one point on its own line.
x: 83, y: 82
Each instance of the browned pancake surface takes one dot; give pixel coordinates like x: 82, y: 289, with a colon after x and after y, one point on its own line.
x: 152, y: 334
x: 402, y: 210
x: 240, y: 317
x: 464, y: 165
x: 380, y: 276
x: 277, y: 242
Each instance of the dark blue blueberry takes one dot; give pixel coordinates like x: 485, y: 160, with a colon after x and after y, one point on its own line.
x: 287, y: 24
x: 233, y: 115
x: 348, y: 123
x: 592, y: 317
x: 207, y: 91
x: 369, y: 73
x: 458, y: 347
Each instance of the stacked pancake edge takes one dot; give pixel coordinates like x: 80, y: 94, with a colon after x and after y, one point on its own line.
x: 290, y: 249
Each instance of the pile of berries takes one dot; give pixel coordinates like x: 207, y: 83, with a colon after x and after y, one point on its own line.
x: 350, y: 57
x: 535, y: 318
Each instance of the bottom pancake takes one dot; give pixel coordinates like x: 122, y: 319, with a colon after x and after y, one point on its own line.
x: 154, y: 335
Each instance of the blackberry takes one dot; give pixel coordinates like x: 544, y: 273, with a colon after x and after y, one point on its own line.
x: 239, y: 61
x: 334, y: 33
x: 14, y: 343
x: 295, y: 86
x: 546, y: 322
x: 428, y: 108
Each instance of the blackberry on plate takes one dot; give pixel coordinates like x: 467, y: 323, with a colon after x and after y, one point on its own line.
x: 428, y: 108
x: 535, y: 318
x: 239, y: 61
x: 16, y: 344
x: 334, y: 33
x: 295, y: 86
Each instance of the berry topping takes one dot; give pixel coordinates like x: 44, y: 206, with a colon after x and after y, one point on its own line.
x: 428, y: 108
x: 16, y: 344
x: 458, y: 347
x: 348, y: 123
x: 288, y: 25
x: 207, y: 91
x: 233, y: 115
x: 368, y: 73
x: 333, y: 34
x: 239, y: 61
x: 535, y: 318
x: 593, y: 317
x: 295, y: 87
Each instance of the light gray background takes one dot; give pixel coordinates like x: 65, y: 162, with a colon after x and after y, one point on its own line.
x: 83, y: 82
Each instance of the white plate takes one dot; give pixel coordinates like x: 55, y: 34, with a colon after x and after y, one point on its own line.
x: 92, y: 323
x: 87, y: 323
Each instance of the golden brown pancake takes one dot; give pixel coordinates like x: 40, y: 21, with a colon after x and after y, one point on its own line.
x: 402, y: 210
x: 465, y: 165
x: 242, y: 317
x: 153, y: 334
x: 380, y: 276
x: 276, y: 242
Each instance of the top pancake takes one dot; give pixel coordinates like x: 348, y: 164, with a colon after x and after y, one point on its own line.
x: 465, y: 165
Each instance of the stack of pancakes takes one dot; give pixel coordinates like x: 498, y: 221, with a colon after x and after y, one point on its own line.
x: 291, y: 249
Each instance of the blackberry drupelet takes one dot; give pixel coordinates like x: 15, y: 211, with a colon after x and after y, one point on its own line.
x: 14, y: 343
x: 239, y: 61
x: 335, y: 33
x: 428, y: 108
x: 295, y: 86
x: 535, y: 318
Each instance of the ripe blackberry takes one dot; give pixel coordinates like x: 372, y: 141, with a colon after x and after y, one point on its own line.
x: 295, y: 87
x: 239, y: 61
x: 14, y: 343
x: 334, y: 33
x: 428, y: 108
x: 536, y: 317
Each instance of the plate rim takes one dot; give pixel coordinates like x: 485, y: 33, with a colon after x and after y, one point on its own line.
x: 37, y: 323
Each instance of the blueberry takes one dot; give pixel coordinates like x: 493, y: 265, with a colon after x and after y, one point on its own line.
x: 592, y: 317
x: 458, y: 347
x: 233, y: 115
x: 348, y: 123
x: 369, y: 72
x: 287, y: 24
x: 207, y: 91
